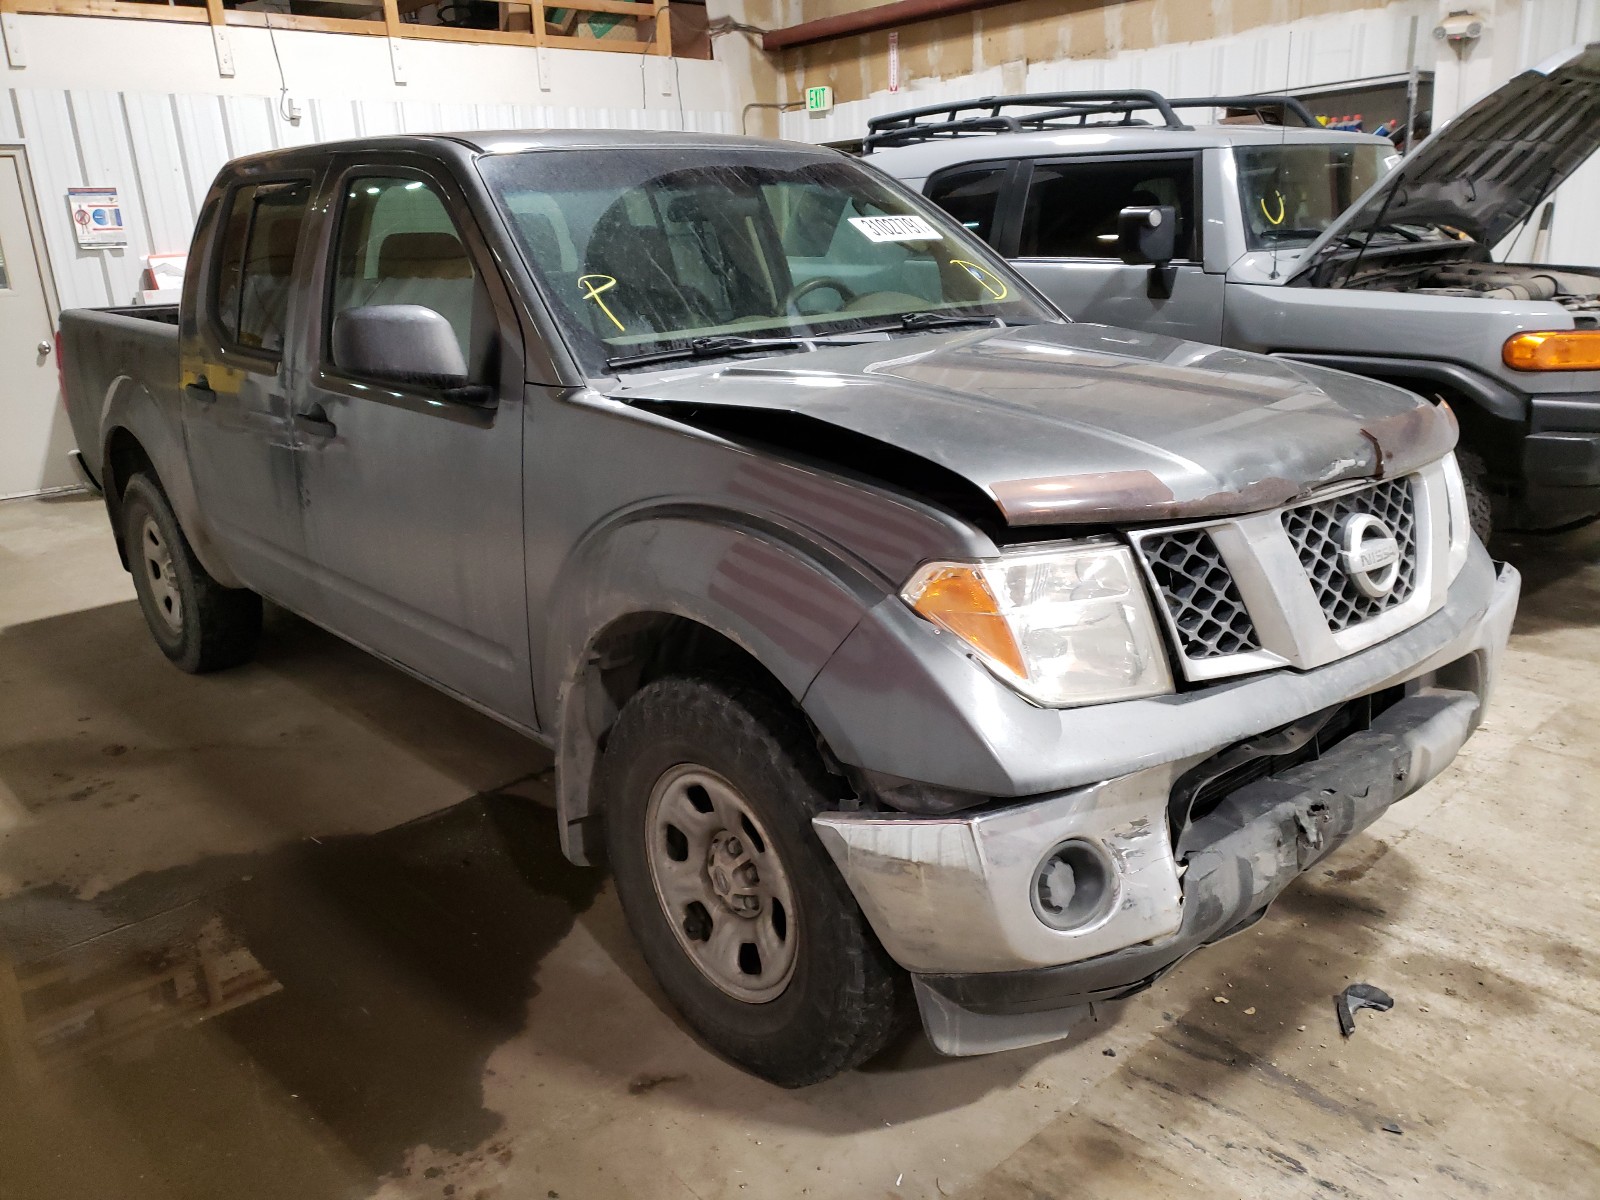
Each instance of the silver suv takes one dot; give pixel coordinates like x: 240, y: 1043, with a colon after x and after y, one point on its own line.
x: 1261, y: 230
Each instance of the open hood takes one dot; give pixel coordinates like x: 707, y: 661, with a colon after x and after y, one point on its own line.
x: 1064, y: 424
x: 1487, y: 170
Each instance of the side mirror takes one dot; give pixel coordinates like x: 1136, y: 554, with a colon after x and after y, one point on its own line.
x: 1148, y: 235
x: 402, y: 343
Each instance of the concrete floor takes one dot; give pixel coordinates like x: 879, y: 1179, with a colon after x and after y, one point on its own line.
x: 429, y: 1002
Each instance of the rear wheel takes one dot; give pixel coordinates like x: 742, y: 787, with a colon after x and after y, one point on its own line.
x: 709, y: 790
x: 199, y: 624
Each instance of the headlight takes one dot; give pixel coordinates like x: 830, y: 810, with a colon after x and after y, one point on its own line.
x: 1063, y: 627
x: 1460, y: 518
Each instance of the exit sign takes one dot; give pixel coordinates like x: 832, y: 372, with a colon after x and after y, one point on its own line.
x: 819, y: 99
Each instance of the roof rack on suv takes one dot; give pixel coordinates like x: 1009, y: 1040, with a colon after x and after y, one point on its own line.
x: 1055, y: 110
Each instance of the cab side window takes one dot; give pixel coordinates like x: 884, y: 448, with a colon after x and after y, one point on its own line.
x: 256, y: 268
x: 971, y: 196
x: 1072, y: 207
x: 397, y: 244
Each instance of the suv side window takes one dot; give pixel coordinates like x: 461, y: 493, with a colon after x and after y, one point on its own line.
x: 971, y: 195
x: 397, y: 244
x: 256, y: 266
x: 1072, y: 207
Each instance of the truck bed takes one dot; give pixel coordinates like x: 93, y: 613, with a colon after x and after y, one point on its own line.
x: 105, y: 352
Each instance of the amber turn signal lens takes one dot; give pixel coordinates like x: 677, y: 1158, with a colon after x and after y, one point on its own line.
x: 959, y: 599
x: 1557, y: 350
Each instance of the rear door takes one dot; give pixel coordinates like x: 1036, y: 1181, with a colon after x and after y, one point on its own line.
x: 1066, y: 242
x: 235, y: 398
x: 413, y: 500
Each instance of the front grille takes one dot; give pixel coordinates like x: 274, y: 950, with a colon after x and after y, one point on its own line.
x: 1314, y: 529
x: 1198, y: 590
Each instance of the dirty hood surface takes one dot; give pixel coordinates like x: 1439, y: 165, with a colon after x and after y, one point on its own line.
x: 1486, y: 171
x: 1070, y: 424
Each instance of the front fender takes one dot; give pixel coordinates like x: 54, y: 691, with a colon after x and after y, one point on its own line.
x: 787, y: 604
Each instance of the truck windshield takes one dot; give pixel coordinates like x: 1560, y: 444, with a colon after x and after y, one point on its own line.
x: 1292, y: 193
x: 646, y: 251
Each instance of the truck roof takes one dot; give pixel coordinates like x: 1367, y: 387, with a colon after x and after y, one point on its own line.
x: 507, y: 141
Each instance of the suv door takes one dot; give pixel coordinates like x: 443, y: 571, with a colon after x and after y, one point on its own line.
x: 1064, y: 240
x: 235, y: 400
x: 413, y: 496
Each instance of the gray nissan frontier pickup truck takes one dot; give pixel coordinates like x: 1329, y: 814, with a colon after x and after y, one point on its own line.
x: 902, y: 646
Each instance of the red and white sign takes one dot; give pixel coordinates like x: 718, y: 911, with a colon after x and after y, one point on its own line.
x: 894, y: 60
x: 97, y: 216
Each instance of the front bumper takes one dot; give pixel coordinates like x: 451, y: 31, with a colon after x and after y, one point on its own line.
x: 951, y: 898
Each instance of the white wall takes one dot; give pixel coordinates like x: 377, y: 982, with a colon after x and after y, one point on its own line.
x: 157, y: 120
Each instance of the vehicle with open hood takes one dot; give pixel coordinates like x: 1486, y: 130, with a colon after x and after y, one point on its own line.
x: 1278, y: 236
x: 897, y: 641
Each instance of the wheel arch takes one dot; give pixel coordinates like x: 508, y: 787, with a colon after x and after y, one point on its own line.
x: 139, y: 437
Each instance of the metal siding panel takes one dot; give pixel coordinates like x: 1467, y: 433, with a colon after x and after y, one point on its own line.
x: 53, y: 160
x: 249, y: 123
x: 203, y: 142
x: 10, y: 126
x: 159, y: 162
x: 376, y: 118
x: 102, y: 135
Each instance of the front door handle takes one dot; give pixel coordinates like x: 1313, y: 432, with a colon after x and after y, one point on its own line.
x: 200, y: 391
x: 315, y: 423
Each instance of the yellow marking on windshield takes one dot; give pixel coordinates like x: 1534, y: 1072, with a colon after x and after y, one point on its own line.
x: 1283, y: 208
x: 987, y: 279
x: 592, y: 292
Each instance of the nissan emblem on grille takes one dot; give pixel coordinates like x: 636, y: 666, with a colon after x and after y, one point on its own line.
x: 1369, y: 554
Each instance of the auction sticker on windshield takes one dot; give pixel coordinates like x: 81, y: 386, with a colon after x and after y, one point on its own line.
x: 897, y: 229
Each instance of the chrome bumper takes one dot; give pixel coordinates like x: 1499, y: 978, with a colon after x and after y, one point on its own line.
x: 956, y: 894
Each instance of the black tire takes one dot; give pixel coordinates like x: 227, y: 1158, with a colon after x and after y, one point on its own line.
x: 1480, y: 509
x: 845, y: 996
x: 199, y: 624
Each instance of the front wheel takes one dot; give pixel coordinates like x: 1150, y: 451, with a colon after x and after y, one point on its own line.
x: 709, y: 790
x: 199, y: 624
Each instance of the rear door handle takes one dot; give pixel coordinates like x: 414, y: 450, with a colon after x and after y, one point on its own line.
x: 200, y: 391
x: 315, y: 423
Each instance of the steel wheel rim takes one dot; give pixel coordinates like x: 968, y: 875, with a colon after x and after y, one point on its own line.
x: 158, y: 573
x: 720, y: 884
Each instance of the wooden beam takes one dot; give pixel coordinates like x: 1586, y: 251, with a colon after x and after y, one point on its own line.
x: 105, y: 8
x: 663, y: 42
x: 262, y: 20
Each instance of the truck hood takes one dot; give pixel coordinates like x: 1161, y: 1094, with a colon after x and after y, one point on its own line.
x: 1065, y: 424
x: 1487, y: 170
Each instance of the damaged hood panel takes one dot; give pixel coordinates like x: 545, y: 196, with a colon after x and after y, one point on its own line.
x: 1072, y: 424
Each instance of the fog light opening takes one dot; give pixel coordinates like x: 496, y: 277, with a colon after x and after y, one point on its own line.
x: 1073, y: 886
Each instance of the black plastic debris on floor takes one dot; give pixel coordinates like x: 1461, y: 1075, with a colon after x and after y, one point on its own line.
x: 1356, y: 997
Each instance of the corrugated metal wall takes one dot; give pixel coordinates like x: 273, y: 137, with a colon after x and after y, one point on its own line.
x: 164, y: 150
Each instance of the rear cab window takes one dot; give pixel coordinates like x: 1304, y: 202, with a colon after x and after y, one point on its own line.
x: 255, y: 264
x: 1072, y: 205
x: 972, y: 195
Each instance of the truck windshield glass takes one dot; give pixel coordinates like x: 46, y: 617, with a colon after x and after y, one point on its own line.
x: 1292, y: 193
x: 653, y: 250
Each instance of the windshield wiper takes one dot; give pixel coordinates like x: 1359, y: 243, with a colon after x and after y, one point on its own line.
x: 932, y: 320
x: 707, y: 347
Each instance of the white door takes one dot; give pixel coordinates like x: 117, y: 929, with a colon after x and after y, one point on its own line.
x: 34, y: 435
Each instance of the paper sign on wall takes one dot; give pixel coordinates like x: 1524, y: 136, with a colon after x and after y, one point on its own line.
x: 897, y: 229
x: 97, y: 216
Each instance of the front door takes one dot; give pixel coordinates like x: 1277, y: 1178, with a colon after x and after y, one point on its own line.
x: 413, y: 498
x: 35, y: 438
x: 235, y: 394
x: 1067, y: 244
